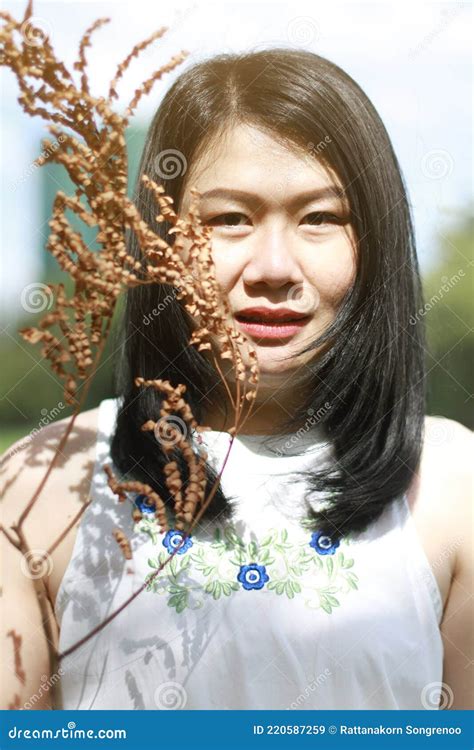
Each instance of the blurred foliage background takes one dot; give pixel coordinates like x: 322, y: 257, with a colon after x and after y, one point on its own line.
x: 30, y: 392
x: 450, y: 325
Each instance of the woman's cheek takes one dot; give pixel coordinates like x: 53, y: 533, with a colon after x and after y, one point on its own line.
x: 333, y: 273
x: 228, y: 268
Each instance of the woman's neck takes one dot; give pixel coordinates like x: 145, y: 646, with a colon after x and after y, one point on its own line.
x: 267, y: 414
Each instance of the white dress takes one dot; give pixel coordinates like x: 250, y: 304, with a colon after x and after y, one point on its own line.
x: 256, y: 613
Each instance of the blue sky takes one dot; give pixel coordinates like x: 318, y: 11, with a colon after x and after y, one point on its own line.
x: 412, y: 59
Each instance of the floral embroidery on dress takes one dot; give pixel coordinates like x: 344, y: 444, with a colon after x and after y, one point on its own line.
x: 315, y: 569
x: 174, y: 541
x: 143, y: 505
x: 252, y: 576
x: 323, y: 544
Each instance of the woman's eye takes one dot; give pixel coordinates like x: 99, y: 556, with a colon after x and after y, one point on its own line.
x: 319, y: 218
x: 232, y: 219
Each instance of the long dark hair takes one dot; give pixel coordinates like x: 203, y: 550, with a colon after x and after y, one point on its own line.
x: 371, y: 368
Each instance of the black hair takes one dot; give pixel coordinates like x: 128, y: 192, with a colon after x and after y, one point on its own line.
x: 369, y: 366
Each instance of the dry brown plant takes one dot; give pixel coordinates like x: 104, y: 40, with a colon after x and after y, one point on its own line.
x: 90, y: 144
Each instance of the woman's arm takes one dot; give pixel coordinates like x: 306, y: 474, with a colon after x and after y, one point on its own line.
x: 24, y: 651
x: 25, y: 662
x: 57, y: 506
x: 457, y: 626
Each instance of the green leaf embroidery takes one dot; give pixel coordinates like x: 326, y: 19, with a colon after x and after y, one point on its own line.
x: 291, y: 565
x: 330, y: 566
x: 252, y: 550
x: 352, y: 579
x: 289, y: 590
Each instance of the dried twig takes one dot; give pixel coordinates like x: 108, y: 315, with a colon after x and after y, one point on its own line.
x: 90, y: 144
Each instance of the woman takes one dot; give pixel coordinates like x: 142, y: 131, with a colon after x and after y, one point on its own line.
x: 329, y: 571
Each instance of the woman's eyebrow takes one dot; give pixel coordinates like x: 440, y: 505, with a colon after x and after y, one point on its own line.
x: 329, y: 191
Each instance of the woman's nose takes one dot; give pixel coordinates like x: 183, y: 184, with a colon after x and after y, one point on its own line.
x: 271, y: 260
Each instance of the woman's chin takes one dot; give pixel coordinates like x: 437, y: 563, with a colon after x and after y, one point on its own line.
x: 272, y: 370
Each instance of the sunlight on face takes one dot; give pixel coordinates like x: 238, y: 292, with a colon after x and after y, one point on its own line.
x: 281, y: 239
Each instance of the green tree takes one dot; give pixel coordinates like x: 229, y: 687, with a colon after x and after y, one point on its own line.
x: 449, y: 318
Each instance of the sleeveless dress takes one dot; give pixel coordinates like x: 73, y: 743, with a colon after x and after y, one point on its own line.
x: 258, y: 612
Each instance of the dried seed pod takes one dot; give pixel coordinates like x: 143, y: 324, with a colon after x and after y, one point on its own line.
x: 73, y: 331
x: 123, y: 543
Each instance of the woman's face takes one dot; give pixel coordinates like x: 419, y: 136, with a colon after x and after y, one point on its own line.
x: 280, y: 240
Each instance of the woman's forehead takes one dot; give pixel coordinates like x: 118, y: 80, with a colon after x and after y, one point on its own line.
x: 251, y: 162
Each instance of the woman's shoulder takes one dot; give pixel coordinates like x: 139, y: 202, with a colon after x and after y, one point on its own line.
x: 442, y: 492
x: 445, y: 431
x: 24, y: 465
x: 446, y: 461
x: 447, y: 449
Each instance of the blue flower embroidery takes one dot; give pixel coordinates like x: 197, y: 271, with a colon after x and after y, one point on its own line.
x: 173, y: 539
x: 252, y: 576
x: 323, y: 544
x: 142, y: 503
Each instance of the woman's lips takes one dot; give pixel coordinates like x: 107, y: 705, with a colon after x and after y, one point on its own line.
x: 270, y: 330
